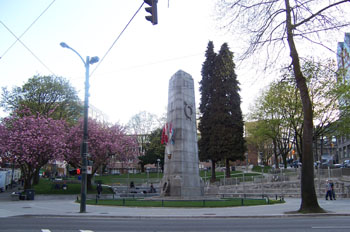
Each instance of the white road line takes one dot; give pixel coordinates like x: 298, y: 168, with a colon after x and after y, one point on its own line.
x: 330, y: 227
x: 47, y: 230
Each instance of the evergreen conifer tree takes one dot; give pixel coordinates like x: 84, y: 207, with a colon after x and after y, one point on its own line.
x: 230, y: 126
x: 208, y: 70
x: 221, y: 123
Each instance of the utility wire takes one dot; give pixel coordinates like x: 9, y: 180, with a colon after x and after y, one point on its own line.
x: 36, y: 57
x: 99, y: 63
x: 152, y: 63
x: 25, y: 30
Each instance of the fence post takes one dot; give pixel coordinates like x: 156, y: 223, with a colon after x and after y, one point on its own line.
x: 262, y: 180
x: 243, y: 185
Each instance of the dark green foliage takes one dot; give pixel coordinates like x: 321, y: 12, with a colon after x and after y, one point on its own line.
x: 206, y: 105
x: 154, y: 149
x: 221, y: 122
x: 49, y: 96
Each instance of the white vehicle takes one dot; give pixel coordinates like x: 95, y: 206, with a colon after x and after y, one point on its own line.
x: 6, y: 176
x: 4, y: 180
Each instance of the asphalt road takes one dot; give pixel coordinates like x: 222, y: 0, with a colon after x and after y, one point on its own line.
x: 83, y: 224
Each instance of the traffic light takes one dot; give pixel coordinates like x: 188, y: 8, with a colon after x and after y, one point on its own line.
x: 153, y: 18
x: 74, y: 172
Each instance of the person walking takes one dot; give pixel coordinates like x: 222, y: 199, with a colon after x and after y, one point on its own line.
x: 332, y: 189
x: 152, y: 189
x: 99, y: 189
x: 328, y: 190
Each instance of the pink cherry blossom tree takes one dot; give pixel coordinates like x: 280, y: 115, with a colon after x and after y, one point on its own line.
x: 103, y: 143
x: 31, y: 142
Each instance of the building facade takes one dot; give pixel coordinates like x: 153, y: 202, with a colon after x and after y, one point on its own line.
x: 343, y: 60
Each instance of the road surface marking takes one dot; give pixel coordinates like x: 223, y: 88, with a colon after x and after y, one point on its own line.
x: 330, y: 227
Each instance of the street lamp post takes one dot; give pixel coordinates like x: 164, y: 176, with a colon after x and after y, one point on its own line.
x: 84, y: 147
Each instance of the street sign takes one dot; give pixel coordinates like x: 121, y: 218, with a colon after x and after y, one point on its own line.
x: 89, y: 170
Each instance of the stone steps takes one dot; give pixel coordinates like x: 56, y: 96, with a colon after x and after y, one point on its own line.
x: 272, y: 189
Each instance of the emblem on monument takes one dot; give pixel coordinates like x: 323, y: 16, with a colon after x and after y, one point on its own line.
x: 188, y: 111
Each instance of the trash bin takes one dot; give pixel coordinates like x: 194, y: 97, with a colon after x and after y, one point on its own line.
x: 30, y: 193
x: 22, y: 196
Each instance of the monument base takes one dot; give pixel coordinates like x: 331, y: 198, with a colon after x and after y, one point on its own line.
x: 174, y: 186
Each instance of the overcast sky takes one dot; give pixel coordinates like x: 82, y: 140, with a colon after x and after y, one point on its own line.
x: 134, y: 75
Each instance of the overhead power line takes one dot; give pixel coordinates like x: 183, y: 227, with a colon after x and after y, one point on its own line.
x: 36, y: 57
x: 99, y: 63
x: 26, y: 29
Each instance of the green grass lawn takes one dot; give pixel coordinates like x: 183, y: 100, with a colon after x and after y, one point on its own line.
x: 259, y: 169
x: 46, y: 186
x: 174, y: 203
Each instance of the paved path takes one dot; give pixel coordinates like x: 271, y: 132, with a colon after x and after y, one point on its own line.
x: 65, y: 206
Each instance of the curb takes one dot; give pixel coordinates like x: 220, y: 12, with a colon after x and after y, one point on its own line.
x: 183, y: 217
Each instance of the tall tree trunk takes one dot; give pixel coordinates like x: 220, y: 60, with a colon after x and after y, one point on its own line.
x: 228, y: 173
x: 27, y: 175
x: 213, y: 175
x: 27, y: 183
x: 36, y: 177
x: 309, y: 201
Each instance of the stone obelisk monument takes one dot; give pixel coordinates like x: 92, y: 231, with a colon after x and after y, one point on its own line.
x: 181, y: 165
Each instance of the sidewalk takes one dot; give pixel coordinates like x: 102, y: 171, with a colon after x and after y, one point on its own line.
x: 66, y: 207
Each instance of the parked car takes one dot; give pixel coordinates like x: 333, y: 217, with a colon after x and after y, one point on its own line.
x: 296, y: 164
x: 336, y: 165
x: 346, y: 164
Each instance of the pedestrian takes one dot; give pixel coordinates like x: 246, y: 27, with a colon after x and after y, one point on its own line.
x: 64, y: 186
x: 328, y: 190
x: 152, y: 189
x: 99, y: 189
x: 332, y: 191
